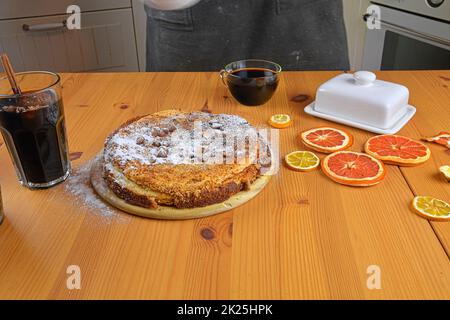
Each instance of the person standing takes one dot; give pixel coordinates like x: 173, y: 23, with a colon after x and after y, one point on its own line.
x: 297, y: 34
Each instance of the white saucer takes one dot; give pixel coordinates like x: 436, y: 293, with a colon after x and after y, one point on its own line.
x: 392, y: 130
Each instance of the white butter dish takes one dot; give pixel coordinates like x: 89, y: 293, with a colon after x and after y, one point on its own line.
x: 361, y: 101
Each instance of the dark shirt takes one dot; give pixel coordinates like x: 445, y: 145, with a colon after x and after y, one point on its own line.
x: 297, y: 34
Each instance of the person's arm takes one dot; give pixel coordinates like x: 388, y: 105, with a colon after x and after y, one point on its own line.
x: 170, y: 4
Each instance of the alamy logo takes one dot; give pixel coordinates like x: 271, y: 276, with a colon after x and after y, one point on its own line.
x: 74, y: 20
x: 374, y: 277
x: 210, y: 143
x: 373, y: 17
x: 74, y: 279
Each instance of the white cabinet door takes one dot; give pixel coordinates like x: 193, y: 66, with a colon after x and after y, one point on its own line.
x: 105, y: 42
x: 10, y: 9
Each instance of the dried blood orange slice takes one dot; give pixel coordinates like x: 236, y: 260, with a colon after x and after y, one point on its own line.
x: 441, y: 138
x: 326, y: 139
x: 353, y: 168
x: 397, y: 150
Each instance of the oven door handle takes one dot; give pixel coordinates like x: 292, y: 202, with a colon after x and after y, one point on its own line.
x: 409, y: 31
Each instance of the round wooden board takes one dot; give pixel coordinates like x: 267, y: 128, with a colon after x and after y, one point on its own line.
x: 171, y: 213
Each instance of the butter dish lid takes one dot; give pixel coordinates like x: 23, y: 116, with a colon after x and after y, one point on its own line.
x: 361, y: 98
x: 363, y: 87
x: 365, y: 84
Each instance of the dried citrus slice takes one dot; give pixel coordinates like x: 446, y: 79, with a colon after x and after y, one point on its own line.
x: 441, y: 138
x: 302, y: 160
x: 280, y: 121
x: 445, y: 171
x: 326, y: 139
x: 397, y: 150
x: 431, y: 208
x: 353, y: 168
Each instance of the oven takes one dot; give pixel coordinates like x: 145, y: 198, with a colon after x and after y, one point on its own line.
x: 411, y: 35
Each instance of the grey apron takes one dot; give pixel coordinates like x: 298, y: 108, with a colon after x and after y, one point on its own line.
x: 297, y: 34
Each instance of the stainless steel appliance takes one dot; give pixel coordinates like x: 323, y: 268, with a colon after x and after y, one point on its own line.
x: 413, y: 34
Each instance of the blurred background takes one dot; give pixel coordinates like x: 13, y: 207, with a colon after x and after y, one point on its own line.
x: 413, y: 34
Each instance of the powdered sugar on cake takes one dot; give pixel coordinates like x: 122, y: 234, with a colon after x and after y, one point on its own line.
x: 179, y: 139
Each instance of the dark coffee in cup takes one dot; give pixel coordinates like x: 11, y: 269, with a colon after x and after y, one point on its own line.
x: 252, y: 86
x: 251, y: 82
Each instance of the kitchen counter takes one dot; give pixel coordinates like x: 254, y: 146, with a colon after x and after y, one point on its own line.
x: 302, y: 237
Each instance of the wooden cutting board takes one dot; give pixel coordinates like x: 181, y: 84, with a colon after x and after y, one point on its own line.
x: 171, y: 213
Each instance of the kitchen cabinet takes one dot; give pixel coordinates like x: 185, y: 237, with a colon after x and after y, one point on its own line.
x: 13, y: 9
x: 105, y: 42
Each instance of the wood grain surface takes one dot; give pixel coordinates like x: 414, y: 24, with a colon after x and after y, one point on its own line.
x: 302, y: 237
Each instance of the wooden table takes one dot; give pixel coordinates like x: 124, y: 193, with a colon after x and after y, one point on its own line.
x: 303, y: 237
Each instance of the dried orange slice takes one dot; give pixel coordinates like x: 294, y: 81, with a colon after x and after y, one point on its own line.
x: 445, y: 170
x: 280, y: 121
x: 302, y: 160
x: 397, y: 150
x: 353, y: 168
x: 431, y: 208
x: 441, y: 138
x: 326, y: 139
